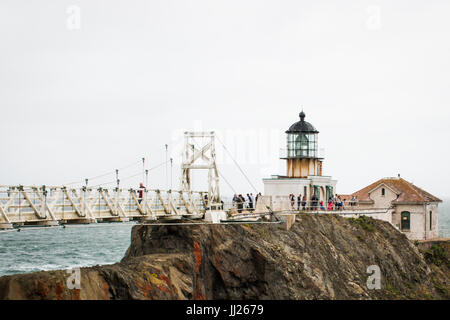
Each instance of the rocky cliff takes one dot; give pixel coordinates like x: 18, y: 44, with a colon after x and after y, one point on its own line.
x: 320, y: 257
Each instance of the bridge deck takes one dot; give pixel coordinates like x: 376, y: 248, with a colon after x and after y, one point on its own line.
x: 53, y: 205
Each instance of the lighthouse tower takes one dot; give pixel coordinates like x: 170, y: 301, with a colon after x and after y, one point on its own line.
x: 303, y: 166
x: 301, y: 153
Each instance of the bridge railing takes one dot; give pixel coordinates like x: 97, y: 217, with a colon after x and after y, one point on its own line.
x: 29, y: 204
x: 277, y: 204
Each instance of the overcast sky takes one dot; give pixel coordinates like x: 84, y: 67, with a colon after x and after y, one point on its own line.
x: 90, y: 86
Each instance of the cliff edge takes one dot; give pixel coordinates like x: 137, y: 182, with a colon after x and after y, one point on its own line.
x: 320, y: 257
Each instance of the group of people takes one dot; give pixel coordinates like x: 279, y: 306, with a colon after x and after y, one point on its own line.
x: 240, y: 202
x: 353, y: 201
x: 206, y: 203
x: 334, y: 203
x: 249, y: 202
x: 301, y: 201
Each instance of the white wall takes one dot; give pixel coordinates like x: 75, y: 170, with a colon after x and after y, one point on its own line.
x: 284, y: 187
x: 381, y: 201
x: 417, y: 220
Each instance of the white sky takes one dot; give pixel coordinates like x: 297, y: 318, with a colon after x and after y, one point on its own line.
x: 373, y: 77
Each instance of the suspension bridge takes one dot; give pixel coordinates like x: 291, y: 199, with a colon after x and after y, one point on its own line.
x: 57, y: 205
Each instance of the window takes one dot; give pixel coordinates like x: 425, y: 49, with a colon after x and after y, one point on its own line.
x: 383, y: 192
x: 431, y: 220
x: 302, y: 144
x: 406, y: 220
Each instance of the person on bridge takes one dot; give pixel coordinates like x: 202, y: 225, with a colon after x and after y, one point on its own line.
x: 299, y: 201
x: 250, y: 202
x: 205, y: 198
x: 292, y: 198
x: 314, y: 201
x: 235, y: 200
x: 338, y: 203
x: 342, y: 204
x: 141, y: 192
x: 330, y: 204
x: 241, y: 202
x: 257, y: 197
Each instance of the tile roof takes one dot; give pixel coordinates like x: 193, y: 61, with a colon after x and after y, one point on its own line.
x: 406, y: 191
x: 345, y: 197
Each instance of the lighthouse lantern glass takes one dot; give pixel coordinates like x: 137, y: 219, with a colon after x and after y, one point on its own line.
x: 302, y: 144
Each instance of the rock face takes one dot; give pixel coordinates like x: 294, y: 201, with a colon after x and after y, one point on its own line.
x: 320, y: 257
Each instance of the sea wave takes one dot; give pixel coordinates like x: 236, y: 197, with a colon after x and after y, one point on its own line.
x: 63, y: 248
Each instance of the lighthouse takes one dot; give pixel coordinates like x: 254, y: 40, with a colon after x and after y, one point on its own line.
x: 302, y: 157
x: 303, y: 166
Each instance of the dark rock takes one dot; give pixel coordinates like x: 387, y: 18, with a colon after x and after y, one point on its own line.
x: 320, y: 257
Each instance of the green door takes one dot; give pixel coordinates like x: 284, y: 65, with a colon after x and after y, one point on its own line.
x: 317, y: 192
x: 406, y: 220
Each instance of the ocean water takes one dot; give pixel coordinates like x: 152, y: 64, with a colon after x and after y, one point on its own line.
x: 36, y: 249
x: 54, y: 248
x: 444, y: 218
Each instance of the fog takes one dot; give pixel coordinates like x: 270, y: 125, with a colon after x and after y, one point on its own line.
x: 87, y: 87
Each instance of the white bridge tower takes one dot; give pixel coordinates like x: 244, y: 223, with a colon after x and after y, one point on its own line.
x: 199, y: 153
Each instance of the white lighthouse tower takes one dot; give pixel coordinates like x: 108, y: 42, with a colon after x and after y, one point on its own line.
x: 303, y: 167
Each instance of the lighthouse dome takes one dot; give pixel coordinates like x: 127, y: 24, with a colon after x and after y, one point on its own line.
x: 302, y: 126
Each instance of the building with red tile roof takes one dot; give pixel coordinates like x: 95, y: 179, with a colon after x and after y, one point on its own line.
x: 414, y: 210
x: 406, y: 191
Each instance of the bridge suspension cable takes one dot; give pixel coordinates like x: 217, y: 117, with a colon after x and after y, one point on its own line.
x: 235, y: 162
x: 226, y: 181
x: 130, y: 176
x: 105, y: 174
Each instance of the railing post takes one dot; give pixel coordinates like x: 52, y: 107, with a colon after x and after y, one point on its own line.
x: 144, y: 201
x: 146, y: 192
x: 143, y: 169
x: 117, y: 192
x: 43, y: 209
x: 20, y: 189
x: 84, y: 198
